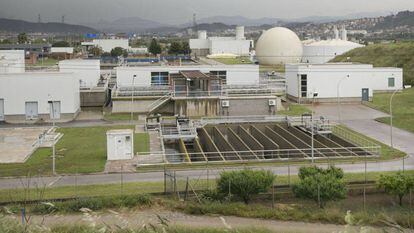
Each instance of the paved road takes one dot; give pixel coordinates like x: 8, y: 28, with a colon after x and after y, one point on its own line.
x: 357, y: 117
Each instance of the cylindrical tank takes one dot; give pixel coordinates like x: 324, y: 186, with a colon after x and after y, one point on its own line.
x: 202, y: 35
x: 336, y: 33
x: 240, y: 33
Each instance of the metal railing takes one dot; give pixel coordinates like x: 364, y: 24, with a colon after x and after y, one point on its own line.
x: 157, y: 103
x: 239, y: 119
x: 353, y: 137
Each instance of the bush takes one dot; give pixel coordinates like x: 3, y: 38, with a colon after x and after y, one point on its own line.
x: 320, y: 185
x: 245, y: 183
x: 398, y: 184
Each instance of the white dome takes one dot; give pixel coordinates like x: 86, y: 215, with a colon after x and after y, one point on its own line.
x: 278, y: 46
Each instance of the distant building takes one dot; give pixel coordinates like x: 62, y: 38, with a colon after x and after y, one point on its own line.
x: 106, y: 44
x: 62, y: 52
x: 87, y: 71
x: 238, y: 45
x: 350, y: 82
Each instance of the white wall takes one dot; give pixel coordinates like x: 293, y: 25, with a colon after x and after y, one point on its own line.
x: 236, y: 74
x: 199, y: 43
x: 322, y: 54
x: 87, y: 71
x: 324, y: 79
x: 12, y: 61
x: 16, y: 89
x: 68, y: 50
x: 238, y: 47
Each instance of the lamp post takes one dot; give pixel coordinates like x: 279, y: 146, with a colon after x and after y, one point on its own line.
x: 314, y: 94
x: 392, y: 96
x: 132, y: 97
x: 52, y: 115
x: 337, y: 97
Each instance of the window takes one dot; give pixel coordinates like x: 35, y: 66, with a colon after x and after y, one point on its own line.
x: 220, y: 74
x: 391, y: 82
x: 304, y: 85
x: 159, y: 78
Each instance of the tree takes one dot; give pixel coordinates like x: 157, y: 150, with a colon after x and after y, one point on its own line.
x: 320, y: 185
x: 61, y: 44
x: 398, y: 184
x: 154, y: 47
x: 96, y: 51
x: 118, y: 51
x: 6, y: 41
x: 175, y: 48
x: 186, y: 48
x: 22, y: 38
x: 245, y: 183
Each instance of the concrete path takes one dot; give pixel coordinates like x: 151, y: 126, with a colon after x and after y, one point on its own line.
x: 404, y: 141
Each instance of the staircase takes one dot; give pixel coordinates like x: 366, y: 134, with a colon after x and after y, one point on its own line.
x: 158, y: 103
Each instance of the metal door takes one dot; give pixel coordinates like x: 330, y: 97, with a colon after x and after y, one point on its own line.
x: 31, y: 110
x: 365, y: 94
x: 1, y: 109
x: 54, y: 110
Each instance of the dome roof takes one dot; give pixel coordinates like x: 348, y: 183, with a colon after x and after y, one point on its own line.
x: 278, y: 46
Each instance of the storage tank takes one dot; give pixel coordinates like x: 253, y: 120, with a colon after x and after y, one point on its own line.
x: 240, y: 33
x: 336, y: 33
x: 344, y: 33
x: 326, y: 50
x: 202, y: 35
x: 279, y: 45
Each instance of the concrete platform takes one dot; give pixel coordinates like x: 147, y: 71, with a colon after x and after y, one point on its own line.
x: 17, y: 144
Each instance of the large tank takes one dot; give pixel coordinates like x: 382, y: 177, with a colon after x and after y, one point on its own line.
x: 326, y: 50
x: 278, y: 46
x: 240, y: 33
x: 202, y: 35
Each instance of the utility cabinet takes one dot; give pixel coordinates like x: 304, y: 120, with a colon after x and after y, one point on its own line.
x: 120, y: 144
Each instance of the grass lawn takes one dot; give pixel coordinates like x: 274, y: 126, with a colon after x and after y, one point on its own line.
x: 294, y: 110
x: 402, y: 108
x: 81, y: 150
x: 270, y: 68
x: 119, y: 117
x: 234, y: 61
x: 46, y: 62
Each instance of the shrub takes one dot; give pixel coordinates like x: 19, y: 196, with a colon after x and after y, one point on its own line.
x: 320, y: 185
x: 245, y: 183
x: 398, y: 184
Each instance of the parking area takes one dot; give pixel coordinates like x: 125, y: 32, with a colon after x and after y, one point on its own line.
x: 17, y: 144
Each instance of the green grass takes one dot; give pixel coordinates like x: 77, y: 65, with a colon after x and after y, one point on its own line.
x: 46, y: 62
x: 400, y: 54
x: 294, y: 110
x: 403, y: 108
x: 80, y: 150
x: 234, y: 61
x: 270, y: 68
x: 119, y: 116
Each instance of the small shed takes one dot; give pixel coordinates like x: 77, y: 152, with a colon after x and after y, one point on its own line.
x: 120, y: 144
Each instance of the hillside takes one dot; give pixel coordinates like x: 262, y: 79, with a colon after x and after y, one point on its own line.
x: 12, y: 25
x: 402, y: 19
x: 399, y: 54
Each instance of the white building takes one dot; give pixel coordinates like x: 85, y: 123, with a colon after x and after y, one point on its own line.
x: 159, y: 75
x: 107, y: 44
x: 88, y: 72
x: 12, y: 61
x: 37, y: 96
x: 238, y: 45
x: 67, y: 50
x: 120, y: 144
x: 351, y: 82
x: 325, y: 50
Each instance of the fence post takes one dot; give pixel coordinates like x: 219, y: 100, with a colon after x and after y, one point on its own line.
x: 208, y: 177
x: 319, y: 196
x: 186, y: 190
x: 229, y: 189
x: 288, y: 168
x: 273, y: 194
x: 122, y: 180
x: 165, y: 182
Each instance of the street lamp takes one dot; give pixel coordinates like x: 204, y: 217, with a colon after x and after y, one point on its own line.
x: 337, y: 96
x: 52, y: 115
x: 132, y: 97
x: 314, y: 95
x: 392, y: 96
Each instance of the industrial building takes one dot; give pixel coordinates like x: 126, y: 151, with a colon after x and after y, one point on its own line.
x: 347, y: 81
x: 88, y: 71
x: 62, y: 52
x: 277, y: 46
x: 194, y: 90
x: 325, y: 50
x: 105, y: 44
x: 238, y: 45
x: 38, y: 96
x: 12, y: 61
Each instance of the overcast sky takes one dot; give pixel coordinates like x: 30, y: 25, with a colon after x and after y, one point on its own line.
x: 180, y: 11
